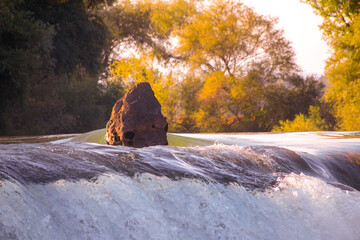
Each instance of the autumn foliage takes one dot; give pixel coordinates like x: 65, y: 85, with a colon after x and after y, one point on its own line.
x: 341, y: 30
x: 215, y: 66
x: 220, y: 67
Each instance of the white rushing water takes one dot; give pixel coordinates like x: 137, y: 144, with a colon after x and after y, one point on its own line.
x: 310, y: 142
x: 72, y: 190
x: 149, y: 207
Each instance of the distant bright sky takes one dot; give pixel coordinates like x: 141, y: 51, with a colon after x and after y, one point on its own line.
x: 301, y: 28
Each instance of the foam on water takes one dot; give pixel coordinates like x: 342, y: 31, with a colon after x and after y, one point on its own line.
x: 310, y: 142
x: 292, y: 186
x: 150, y: 207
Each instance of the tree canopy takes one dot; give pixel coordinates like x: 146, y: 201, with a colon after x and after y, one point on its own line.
x: 50, y: 61
x: 237, y: 61
x: 214, y: 66
x: 341, y: 29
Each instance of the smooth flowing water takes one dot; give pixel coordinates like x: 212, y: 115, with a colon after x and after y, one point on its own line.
x: 202, y: 186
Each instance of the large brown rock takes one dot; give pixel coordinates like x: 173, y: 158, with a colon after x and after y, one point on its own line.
x: 136, y: 119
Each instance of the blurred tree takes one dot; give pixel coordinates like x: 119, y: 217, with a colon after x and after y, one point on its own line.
x: 303, y: 123
x: 229, y: 37
x: 130, y: 71
x: 188, y: 90
x: 146, y: 25
x: 80, y: 35
x: 25, y: 47
x: 235, y: 70
x: 341, y: 29
x: 241, y: 56
x: 51, y: 57
x: 295, y: 96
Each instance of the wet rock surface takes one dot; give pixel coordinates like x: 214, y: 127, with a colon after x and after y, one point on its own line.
x: 136, y: 119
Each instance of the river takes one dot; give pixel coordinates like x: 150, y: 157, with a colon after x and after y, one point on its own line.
x: 202, y: 186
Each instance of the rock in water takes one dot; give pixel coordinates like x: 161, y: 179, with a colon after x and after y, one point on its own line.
x: 136, y: 119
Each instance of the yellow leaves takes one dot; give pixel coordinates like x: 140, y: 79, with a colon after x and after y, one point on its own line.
x: 343, y: 74
x: 168, y: 16
x: 349, y: 115
x: 208, y: 122
x: 162, y: 18
x: 130, y: 71
x: 166, y: 91
x: 210, y: 31
x: 303, y: 123
x: 300, y: 124
x: 354, y: 40
x: 234, y: 54
x: 227, y: 36
x: 341, y: 29
x: 217, y: 110
x: 213, y: 88
x: 238, y: 92
x: 348, y: 107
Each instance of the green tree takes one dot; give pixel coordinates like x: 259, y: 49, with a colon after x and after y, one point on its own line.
x: 51, y: 58
x: 188, y: 89
x: 293, y: 97
x: 25, y: 48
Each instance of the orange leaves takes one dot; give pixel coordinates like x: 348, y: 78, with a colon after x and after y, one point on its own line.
x: 213, y: 88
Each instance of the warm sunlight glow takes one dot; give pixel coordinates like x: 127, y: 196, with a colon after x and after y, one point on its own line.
x: 301, y: 28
